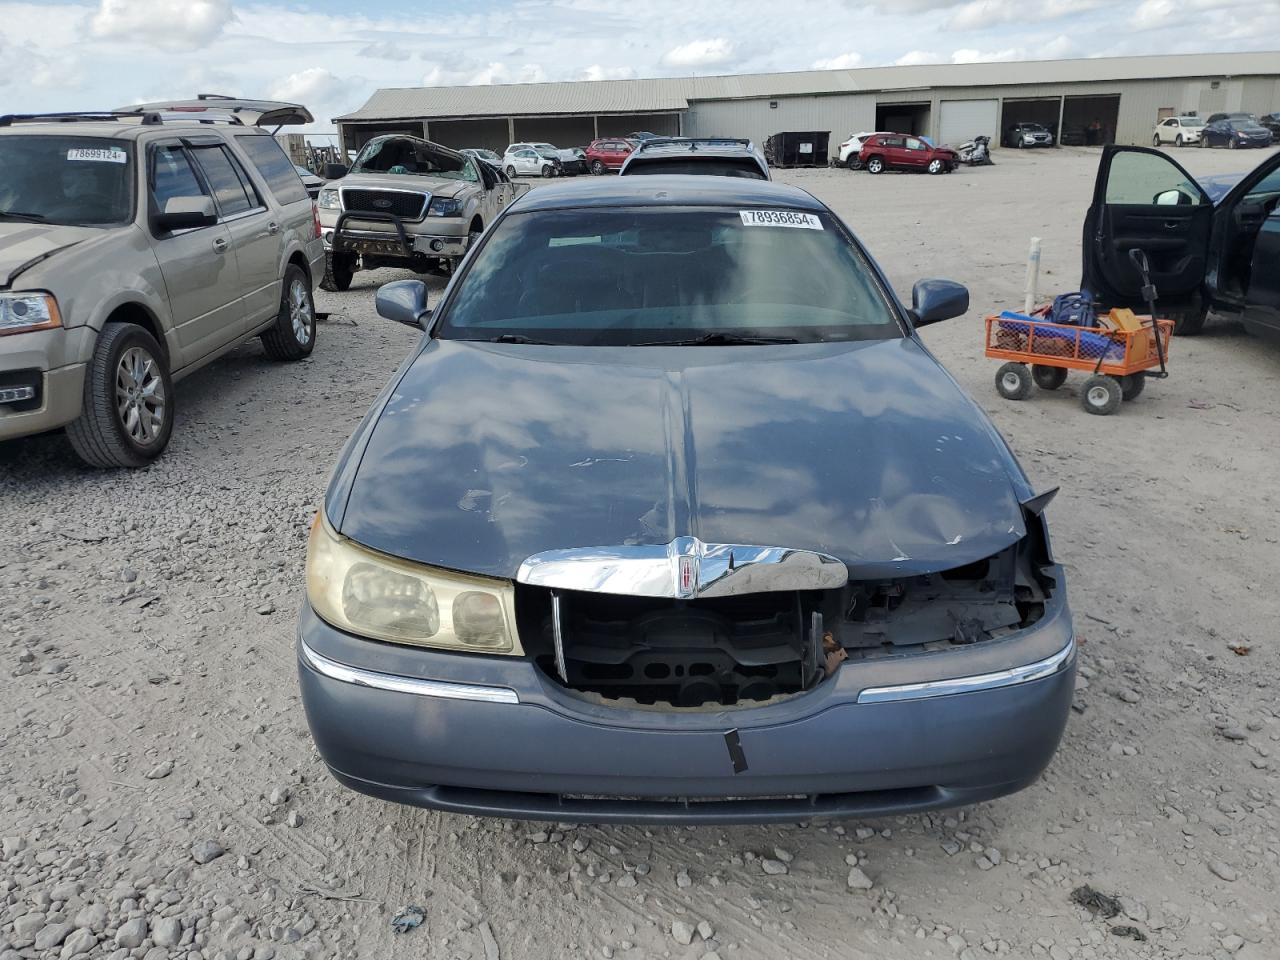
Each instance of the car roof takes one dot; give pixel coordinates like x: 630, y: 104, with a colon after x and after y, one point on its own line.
x: 667, y: 190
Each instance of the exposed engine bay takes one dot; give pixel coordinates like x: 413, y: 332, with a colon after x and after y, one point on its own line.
x: 749, y: 649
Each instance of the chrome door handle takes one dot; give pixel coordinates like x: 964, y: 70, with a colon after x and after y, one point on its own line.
x: 273, y: 228
x: 220, y: 245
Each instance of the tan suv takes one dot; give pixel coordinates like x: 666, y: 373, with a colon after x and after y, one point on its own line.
x: 135, y: 247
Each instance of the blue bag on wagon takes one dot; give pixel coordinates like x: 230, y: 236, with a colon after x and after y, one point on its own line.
x: 1073, y: 309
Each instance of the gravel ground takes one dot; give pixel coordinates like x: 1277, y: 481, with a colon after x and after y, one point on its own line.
x: 161, y: 797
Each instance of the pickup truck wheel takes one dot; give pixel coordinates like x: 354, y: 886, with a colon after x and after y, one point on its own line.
x: 293, y: 335
x: 875, y: 165
x: 597, y: 168
x: 339, y: 268
x: 126, y: 416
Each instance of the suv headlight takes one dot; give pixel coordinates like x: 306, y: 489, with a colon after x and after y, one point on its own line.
x: 24, y: 312
x: 386, y: 598
x: 444, y: 207
x: 329, y: 200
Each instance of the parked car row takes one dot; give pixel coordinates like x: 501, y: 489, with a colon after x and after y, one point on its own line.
x: 1231, y: 130
x: 530, y: 159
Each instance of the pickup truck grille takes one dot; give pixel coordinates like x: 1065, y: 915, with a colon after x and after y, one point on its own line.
x: 407, y: 206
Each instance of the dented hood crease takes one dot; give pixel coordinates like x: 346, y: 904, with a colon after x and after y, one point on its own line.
x: 24, y: 244
x: 485, y: 454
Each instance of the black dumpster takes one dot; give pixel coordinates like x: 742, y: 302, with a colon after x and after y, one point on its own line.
x: 798, y: 149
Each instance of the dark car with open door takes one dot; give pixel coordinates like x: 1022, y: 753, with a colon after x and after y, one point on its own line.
x: 1205, y: 254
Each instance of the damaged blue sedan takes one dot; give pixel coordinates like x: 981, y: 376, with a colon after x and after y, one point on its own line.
x: 672, y: 518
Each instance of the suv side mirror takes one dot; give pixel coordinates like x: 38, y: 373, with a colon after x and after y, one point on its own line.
x: 934, y: 300
x: 186, y: 213
x: 335, y: 171
x: 404, y: 301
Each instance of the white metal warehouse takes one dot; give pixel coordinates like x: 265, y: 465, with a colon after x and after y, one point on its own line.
x: 1092, y: 100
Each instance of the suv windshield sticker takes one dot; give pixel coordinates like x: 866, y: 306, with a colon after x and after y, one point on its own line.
x: 779, y: 218
x: 112, y: 155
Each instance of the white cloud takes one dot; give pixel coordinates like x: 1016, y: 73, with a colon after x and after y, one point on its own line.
x: 699, y: 53
x: 915, y: 58
x: 314, y: 83
x: 498, y: 72
x: 993, y: 56
x: 845, y: 61
x: 385, y: 50
x: 598, y: 72
x: 166, y: 24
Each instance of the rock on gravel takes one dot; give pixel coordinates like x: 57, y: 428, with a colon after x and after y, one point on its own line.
x: 131, y: 933
x: 682, y: 932
x: 80, y: 941
x: 204, y: 851
x: 160, y: 770
x: 859, y: 880
x: 167, y: 932
x: 773, y: 867
x: 1223, y: 870
x: 51, y: 936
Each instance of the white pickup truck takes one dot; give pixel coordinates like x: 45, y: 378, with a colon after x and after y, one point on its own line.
x: 407, y: 202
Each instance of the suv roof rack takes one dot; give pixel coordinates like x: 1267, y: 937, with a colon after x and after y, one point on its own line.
x: 147, y: 118
x: 693, y: 143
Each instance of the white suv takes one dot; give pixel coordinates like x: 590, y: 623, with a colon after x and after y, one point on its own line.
x: 135, y: 247
x: 851, y: 148
x: 1178, y: 131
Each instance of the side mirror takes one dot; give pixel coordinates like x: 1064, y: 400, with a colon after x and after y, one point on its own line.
x: 934, y: 300
x: 335, y: 171
x: 186, y: 213
x: 404, y: 301
x: 1171, y: 198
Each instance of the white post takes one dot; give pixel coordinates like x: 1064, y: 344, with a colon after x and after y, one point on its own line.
x: 1033, y: 276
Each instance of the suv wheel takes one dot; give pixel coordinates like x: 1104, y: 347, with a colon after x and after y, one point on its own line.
x: 875, y: 165
x: 1155, y: 140
x: 293, y: 335
x: 597, y: 168
x: 854, y: 162
x: 937, y: 166
x: 127, y: 412
x: 1177, y: 141
x: 339, y: 268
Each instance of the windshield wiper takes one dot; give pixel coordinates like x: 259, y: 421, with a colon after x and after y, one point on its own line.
x: 718, y: 339
x: 518, y: 338
x: 19, y: 215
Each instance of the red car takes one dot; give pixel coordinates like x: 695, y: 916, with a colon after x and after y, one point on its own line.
x: 608, y: 154
x: 898, y: 151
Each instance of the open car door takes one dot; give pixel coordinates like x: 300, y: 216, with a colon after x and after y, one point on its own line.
x: 1143, y: 199
x: 1244, y: 265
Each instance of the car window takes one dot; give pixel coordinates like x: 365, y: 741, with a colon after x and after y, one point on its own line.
x: 1141, y: 178
x: 1192, y: 122
x: 275, y: 166
x: 69, y: 180
x: 231, y: 190
x: 172, y: 176
x: 1268, y: 186
x: 703, y: 166
x: 913, y: 144
x: 891, y: 141
x: 406, y: 155
x: 635, y: 275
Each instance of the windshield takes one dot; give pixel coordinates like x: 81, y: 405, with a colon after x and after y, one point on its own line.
x: 713, y: 166
x: 67, y: 180
x: 415, y: 157
x: 643, y: 275
x: 1191, y: 122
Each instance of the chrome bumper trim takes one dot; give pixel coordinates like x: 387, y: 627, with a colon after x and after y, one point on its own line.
x: 385, y: 681
x: 982, y: 681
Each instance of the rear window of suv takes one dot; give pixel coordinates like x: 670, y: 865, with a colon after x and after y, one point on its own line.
x: 275, y: 166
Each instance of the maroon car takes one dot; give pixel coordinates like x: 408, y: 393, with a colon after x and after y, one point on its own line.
x: 608, y: 154
x: 899, y: 151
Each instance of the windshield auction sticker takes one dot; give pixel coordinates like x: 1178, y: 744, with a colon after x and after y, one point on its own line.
x: 97, y: 155
x: 779, y: 218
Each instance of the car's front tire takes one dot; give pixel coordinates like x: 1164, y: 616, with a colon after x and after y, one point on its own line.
x: 126, y: 415
x: 293, y: 335
x: 1155, y: 140
x: 1177, y: 141
x: 548, y: 171
x: 339, y: 269
x: 937, y: 166
x: 875, y: 165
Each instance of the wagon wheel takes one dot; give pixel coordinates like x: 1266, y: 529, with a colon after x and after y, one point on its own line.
x: 1131, y: 387
x: 1101, y: 395
x: 1049, y: 378
x: 1013, y: 381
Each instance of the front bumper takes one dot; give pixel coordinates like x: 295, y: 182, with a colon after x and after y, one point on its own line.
x: 46, y: 361
x: 382, y: 238
x: 494, y: 736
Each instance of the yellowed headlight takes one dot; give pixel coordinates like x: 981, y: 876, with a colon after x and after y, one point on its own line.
x: 375, y: 595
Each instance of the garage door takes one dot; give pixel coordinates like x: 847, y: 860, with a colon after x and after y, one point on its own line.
x: 963, y: 120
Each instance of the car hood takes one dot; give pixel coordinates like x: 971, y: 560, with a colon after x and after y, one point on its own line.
x: 485, y: 454
x: 436, y: 186
x: 1218, y: 185
x: 23, y: 245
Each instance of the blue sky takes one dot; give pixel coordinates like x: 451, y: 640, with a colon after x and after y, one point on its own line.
x: 331, y: 54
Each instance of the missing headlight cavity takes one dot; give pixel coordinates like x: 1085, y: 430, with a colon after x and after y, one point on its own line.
x: 747, y: 650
